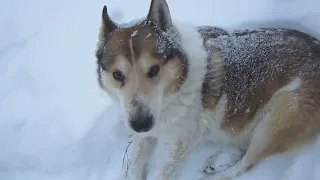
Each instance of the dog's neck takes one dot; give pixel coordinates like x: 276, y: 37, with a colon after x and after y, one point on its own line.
x: 177, y: 105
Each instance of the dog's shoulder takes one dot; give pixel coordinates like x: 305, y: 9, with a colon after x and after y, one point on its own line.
x: 209, y: 32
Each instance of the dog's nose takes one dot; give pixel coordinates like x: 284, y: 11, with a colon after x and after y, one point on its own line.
x: 142, y: 123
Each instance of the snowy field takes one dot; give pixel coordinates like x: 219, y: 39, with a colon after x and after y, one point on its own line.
x: 55, y: 122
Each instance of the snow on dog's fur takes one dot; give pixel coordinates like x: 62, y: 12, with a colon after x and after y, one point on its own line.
x: 254, y: 91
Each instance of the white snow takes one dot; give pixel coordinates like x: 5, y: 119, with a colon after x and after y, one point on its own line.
x: 55, y: 122
x: 134, y: 33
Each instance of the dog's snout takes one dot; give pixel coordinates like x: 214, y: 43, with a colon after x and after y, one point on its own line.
x: 141, y: 120
x: 141, y: 123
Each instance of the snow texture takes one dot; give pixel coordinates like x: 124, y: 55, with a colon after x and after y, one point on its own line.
x: 134, y: 33
x: 56, y: 123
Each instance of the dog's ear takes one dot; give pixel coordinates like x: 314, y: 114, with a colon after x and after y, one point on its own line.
x: 159, y: 14
x: 107, y: 24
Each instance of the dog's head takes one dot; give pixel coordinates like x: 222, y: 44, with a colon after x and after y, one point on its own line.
x: 140, y: 65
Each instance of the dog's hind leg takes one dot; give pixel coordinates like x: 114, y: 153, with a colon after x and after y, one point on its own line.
x: 292, y: 118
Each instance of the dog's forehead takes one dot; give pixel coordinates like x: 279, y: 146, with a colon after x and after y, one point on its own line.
x: 134, y: 41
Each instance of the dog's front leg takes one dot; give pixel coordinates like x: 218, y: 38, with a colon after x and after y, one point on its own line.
x: 142, y: 149
x: 181, y: 148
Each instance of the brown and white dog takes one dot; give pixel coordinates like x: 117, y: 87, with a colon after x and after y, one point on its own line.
x: 254, y: 91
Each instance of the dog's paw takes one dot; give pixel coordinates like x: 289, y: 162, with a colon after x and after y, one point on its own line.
x: 123, y: 177
x: 132, y: 175
x: 131, y: 178
x: 222, y: 161
x: 215, y: 177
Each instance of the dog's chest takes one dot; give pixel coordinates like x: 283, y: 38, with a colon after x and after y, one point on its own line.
x: 177, y: 126
x: 178, y: 119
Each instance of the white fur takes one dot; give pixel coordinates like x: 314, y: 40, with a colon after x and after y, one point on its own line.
x: 183, y: 123
x: 188, y: 99
x: 179, y: 122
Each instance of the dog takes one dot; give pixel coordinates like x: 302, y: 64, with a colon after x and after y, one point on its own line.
x: 255, y: 92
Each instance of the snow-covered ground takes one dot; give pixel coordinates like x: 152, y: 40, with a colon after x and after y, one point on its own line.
x: 55, y: 122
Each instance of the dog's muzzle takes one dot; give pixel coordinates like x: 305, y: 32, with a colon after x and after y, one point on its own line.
x: 141, y: 120
x: 141, y: 123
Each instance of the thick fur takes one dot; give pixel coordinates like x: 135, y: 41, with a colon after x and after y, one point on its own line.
x: 257, y: 91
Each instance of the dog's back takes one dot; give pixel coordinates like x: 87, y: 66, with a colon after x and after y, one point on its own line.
x: 269, y: 80
x: 209, y: 32
x: 257, y: 63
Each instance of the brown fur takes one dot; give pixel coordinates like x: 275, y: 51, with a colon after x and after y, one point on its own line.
x: 119, y: 42
x: 288, y: 118
x: 293, y: 121
x: 209, y: 32
x: 242, y: 109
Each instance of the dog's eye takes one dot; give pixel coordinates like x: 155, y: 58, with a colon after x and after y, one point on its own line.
x: 154, y: 70
x: 118, y: 76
